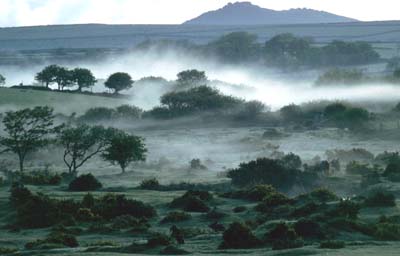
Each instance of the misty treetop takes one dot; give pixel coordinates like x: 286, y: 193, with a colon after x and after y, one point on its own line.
x: 119, y: 81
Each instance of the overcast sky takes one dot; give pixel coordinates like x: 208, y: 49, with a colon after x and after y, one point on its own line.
x: 43, y: 12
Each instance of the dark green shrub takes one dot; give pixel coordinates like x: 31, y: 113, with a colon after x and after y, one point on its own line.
x: 85, y: 183
x: 98, y: 114
x: 150, y: 184
x: 176, y: 216
x: 323, y: 195
x: 40, y: 178
x: 346, y: 209
x: 111, y: 206
x: 269, y: 171
x: 305, y: 210
x: 307, y: 228
x: 239, y: 236
x: 332, y: 245
x: 273, y: 200
x: 85, y: 214
x: 19, y: 194
x: 387, y: 232
x: 283, y: 237
x: 380, y: 199
x: 193, y: 201
x: 158, y: 239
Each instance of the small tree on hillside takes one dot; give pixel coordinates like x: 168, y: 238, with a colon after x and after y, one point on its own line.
x: 2, y: 80
x: 81, y: 143
x: 27, y: 130
x: 83, y: 78
x: 48, y: 75
x: 124, y: 149
x: 191, y: 78
x: 119, y: 81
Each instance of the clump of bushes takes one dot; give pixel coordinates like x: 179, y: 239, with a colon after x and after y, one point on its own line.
x: 239, y: 236
x: 284, y: 237
x: 193, y: 201
x: 176, y: 216
x: 4, y: 250
x: 130, y: 222
x: 270, y: 171
x: 150, y: 184
x: 330, y: 244
x: 341, y: 77
x: 387, y: 231
x: 273, y: 200
x: 308, y: 228
x: 53, y: 240
x: 39, y: 211
x: 86, y: 182
x: 158, y: 239
x: 380, y: 199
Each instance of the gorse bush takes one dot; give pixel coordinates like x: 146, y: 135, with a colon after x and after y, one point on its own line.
x: 380, y: 199
x: 239, y: 236
x: 283, y: 237
x: 85, y: 182
x: 193, y: 201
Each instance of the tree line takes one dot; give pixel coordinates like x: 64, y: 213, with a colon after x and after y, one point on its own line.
x: 30, y: 129
x: 81, y: 77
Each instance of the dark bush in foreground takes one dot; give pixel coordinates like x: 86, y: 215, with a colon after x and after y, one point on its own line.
x: 111, y: 206
x: 38, y: 178
x: 85, y: 183
x: 273, y: 200
x: 308, y: 229
x: 239, y: 236
x: 332, y: 245
x: 172, y: 250
x: 387, y: 232
x: 192, y: 201
x: 158, y: 239
x: 284, y: 237
x: 380, y: 199
x: 392, y: 172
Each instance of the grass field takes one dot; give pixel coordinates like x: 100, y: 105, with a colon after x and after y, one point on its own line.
x: 65, y: 103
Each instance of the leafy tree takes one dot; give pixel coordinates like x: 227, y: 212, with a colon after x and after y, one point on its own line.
x: 27, y: 130
x: 341, y: 77
x: 291, y: 112
x: 236, y: 47
x: 191, y: 78
x: 197, y: 99
x: 119, y: 81
x: 98, y: 114
x: 81, y: 143
x: 124, y: 149
x: 48, y: 75
x: 128, y: 112
x: 64, y: 78
x: 84, y: 78
x: 287, y: 50
x: 2, y: 80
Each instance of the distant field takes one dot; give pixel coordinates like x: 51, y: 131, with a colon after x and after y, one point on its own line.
x: 125, y: 36
x: 62, y: 102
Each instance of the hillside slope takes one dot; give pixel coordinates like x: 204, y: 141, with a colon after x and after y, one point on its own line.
x: 245, y: 13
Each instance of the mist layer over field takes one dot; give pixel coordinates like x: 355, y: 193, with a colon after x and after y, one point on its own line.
x: 251, y: 82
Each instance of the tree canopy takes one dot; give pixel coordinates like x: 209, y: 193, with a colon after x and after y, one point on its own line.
x: 27, y: 130
x: 119, y: 81
x: 124, y: 149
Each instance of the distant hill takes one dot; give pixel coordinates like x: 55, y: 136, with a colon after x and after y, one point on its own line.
x: 245, y: 13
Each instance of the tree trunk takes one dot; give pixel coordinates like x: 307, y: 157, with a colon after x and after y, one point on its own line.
x: 21, y: 163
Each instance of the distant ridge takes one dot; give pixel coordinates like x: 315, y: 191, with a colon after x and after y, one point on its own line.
x: 245, y: 13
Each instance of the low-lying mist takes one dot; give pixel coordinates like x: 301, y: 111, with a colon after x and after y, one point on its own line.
x: 251, y: 82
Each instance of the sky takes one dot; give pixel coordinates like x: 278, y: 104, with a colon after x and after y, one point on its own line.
x: 45, y: 12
